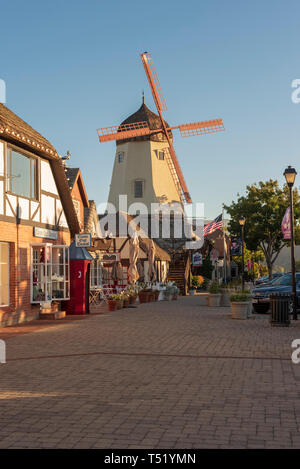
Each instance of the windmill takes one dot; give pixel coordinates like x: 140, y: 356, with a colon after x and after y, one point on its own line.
x: 142, y: 128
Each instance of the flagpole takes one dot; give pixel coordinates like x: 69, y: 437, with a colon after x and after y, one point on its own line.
x: 224, y: 247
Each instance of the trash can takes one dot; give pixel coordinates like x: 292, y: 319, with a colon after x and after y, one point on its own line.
x: 280, y: 309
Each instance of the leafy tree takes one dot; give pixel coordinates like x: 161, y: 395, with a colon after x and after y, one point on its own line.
x: 206, y: 268
x: 255, y: 256
x: 264, y: 206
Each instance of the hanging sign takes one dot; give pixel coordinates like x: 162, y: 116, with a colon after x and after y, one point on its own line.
x: 235, y: 246
x: 83, y: 240
x: 197, y: 259
x: 286, y: 224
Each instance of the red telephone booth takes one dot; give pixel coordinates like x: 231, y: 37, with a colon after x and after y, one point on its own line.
x: 80, y: 260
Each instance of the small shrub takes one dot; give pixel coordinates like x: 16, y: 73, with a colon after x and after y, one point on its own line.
x: 214, y: 288
x: 242, y: 296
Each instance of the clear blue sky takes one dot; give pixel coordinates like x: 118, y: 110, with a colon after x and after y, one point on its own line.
x: 73, y: 66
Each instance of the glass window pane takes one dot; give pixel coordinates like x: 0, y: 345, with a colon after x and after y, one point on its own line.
x: 138, y: 189
x: 20, y: 174
x: 33, y: 179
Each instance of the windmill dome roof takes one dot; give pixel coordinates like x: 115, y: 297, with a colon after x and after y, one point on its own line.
x: 153, y: 120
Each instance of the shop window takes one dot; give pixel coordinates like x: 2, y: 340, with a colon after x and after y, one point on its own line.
x: 96, y: 274
x: 4, y: 274
x: 49, y: 273
x: 21, y: 174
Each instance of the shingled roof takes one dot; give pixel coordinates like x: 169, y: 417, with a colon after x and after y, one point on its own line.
x: 15, y: 130
x: 153, y: 120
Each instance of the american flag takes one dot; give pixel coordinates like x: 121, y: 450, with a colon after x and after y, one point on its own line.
x: 215, y: 225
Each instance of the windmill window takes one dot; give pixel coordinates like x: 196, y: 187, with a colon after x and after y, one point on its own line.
x: 138, y: 189
x: 161, y: 155
x: 121, y: 157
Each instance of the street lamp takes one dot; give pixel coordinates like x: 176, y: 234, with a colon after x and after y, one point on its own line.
x: 290, y: 176
x: 242, y: 221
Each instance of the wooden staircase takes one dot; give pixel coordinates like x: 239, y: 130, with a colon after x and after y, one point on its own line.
x: 179, y: 272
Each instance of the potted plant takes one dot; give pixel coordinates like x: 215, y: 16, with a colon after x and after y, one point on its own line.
x: 119, y: 301
x: 195, y: 283
x: 111, y: 303
x: 214, y: 296
x: 126, y: 300
x: 239, y: 305
x: 143, y: 293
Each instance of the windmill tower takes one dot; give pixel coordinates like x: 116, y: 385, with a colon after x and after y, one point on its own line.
x: 146, y: 168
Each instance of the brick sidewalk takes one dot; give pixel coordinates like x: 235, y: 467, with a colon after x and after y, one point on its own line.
x: 162, y: 375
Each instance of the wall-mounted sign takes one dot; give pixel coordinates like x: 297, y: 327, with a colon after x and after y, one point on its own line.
x: 110, y: 257
x: 44, y: 233
x: 83, y: 240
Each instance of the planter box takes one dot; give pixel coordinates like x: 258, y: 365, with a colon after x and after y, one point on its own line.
x: 132, y: 300
x: 111, y: 305
x: 203, y: 299
x: 214, y: 299
x: 119, y: 304
x: 225, y: 298
x: 143, y: 297
x: 239, y: 309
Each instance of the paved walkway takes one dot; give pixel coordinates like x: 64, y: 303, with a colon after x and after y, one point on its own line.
x: 162, y: 375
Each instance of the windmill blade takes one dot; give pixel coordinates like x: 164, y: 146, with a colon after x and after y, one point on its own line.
x: 177, y: 175
x: 154, y: 82
x: 120, y: 132
x: 199, y: 128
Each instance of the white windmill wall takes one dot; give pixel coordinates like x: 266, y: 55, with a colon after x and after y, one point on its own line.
x: 141, y: 163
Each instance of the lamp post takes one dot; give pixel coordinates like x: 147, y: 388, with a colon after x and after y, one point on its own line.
x: 242, y: 221
x: 290, y: 176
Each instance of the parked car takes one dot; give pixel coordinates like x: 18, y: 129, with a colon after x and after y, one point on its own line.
x: 268, y: 282
x: 283, y: 284
x: 264, y: 280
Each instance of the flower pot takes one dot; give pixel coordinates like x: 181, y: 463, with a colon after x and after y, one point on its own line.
x: 214, y: 299
x: 191, y: 292
x: 239, y: 309
x: 119, y: 304
x: 132, y: 299
x: 143, y: 296
x: 111, y: 305
x: 151, y: 297
x: 225, y: 298
x: 126, y: 302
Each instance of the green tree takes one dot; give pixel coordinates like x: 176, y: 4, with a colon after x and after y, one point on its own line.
x: 206, y: 269
x: 256, y: 256
x: 264, y: 206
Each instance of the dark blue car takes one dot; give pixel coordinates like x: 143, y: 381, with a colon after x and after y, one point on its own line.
x: 261, y: 295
